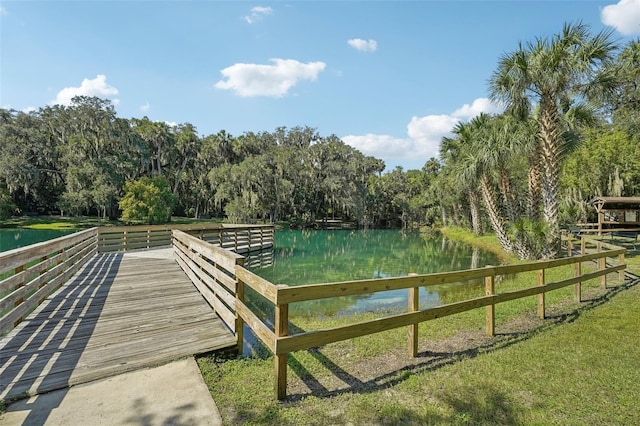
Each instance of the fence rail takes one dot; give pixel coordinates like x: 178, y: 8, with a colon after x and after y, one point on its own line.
x: 32, y: 273
x: 237, y: 238
x: 281, y: 343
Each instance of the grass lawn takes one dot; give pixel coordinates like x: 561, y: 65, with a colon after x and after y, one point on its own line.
x: 581, y: 365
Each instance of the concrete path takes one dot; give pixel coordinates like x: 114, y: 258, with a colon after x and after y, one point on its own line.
x: 173, y: 394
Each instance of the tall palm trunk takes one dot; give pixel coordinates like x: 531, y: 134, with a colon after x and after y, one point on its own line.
x: 497, y: 222
x: 549, y: 137
x: 534, y: 179
x: 474, y: 206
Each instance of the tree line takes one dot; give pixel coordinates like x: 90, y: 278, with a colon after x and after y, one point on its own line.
x: 83, y: 159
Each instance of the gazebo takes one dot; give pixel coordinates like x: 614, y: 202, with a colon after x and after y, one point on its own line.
x: 617, y: 213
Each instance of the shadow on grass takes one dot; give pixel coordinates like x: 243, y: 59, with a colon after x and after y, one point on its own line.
x: 432, y: 361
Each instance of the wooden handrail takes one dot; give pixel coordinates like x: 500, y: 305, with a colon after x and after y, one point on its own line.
x: 238, y: 238
x: 281, y: 343
x: 38, y: 270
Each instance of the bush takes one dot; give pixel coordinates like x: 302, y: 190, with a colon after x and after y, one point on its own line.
x: 147, y: 201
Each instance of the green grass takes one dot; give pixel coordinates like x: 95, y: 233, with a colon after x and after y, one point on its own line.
x: 57, y: 222
x: 579, y: 366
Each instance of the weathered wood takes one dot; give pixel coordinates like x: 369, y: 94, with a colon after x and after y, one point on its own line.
x: 541, y: 295
x: 224, y: 258
x: 12, y: 259
x: 281, y: 325
x: 259, y: 284
x: 412, y: 331
x: 303, y: 293
x: 577, y: 289
x: 261, y: 331
x: 490, y: 314
x: 316, y: 338
x: 118, y: 313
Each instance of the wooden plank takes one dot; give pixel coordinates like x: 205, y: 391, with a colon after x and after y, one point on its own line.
x: 216, y: 273
x: 210, y: 284
x: 259, y: 284
x: 224, y: 258
x: 12, y: 259
x: 261, y: 331
x: 128, y: 330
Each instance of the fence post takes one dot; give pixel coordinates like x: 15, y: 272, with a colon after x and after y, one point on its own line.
x: 413, y: 306
x: 602, y: 265
x: 281, y: 329
x: 577, y: 287
x: 541, y: 295
x: 621, y: 272
x: 489, y: 289
x: 569, y: 245
x: 583, y: 246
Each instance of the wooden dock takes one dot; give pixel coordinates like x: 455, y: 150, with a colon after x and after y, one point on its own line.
x: 120, y: 312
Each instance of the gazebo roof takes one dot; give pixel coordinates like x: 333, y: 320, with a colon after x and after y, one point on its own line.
x: 616, y: 202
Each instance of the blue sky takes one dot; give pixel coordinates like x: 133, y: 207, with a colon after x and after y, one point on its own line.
x: 388, y: 77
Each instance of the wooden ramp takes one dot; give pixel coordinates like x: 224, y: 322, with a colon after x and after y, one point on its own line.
x: 121, y: 312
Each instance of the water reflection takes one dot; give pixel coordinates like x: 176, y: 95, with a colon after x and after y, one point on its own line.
x: 310, y: 256
x: 14, y: 238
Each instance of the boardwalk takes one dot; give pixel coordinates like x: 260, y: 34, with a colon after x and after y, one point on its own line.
x: 121, y: 312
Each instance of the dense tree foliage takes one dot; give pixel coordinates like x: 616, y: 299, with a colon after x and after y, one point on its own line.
x: 83, y: 159
x: 564, y: 138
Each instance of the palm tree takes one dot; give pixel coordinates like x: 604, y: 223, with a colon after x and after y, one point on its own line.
x: 555, y: 74
x: 453, y: 152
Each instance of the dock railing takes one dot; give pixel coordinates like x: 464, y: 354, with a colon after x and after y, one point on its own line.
x: 237, y: 238
x: 607, y: 258
x: 29, y: 274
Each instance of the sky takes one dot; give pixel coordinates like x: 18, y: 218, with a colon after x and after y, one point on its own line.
x: 390, y: 78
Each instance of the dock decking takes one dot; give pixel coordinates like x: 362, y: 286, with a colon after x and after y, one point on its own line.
x: 120, y: 312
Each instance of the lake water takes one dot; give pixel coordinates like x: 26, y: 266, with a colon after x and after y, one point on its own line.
x: 14, y: 238
x: 311, y: 257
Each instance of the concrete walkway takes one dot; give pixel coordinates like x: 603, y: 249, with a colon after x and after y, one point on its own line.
x: 173, y: 394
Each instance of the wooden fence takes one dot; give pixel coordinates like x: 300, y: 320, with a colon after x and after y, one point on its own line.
x: 237, y: 238
x: 32, y: 273
x: 208, y: 264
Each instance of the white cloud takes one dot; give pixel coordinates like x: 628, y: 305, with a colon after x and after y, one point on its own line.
x: 29, y: 109
x: 257, y: 13
x: 363, y: 45
x: 96, y: 87
x: 268, y: 80
x: 424, y: 136
x: 145, y: 108
x: 624, y: 16
x: 477, y: 106
x: 171, y: 123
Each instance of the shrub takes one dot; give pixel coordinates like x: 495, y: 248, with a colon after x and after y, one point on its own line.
x: 147, y: 200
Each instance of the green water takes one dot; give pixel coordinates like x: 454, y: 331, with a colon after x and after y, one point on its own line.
x: 310, y: 257
x: 14, y: 238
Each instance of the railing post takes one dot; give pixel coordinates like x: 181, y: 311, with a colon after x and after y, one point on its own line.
x: 239, y: 320
x: 489, y: 289
x: 577, y: 288
x: 413, y: 306
x: 621, y: 272
x: 281, y: 329
x: 602, y: 265
x: 541, y: 295
x: 124, y: 242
